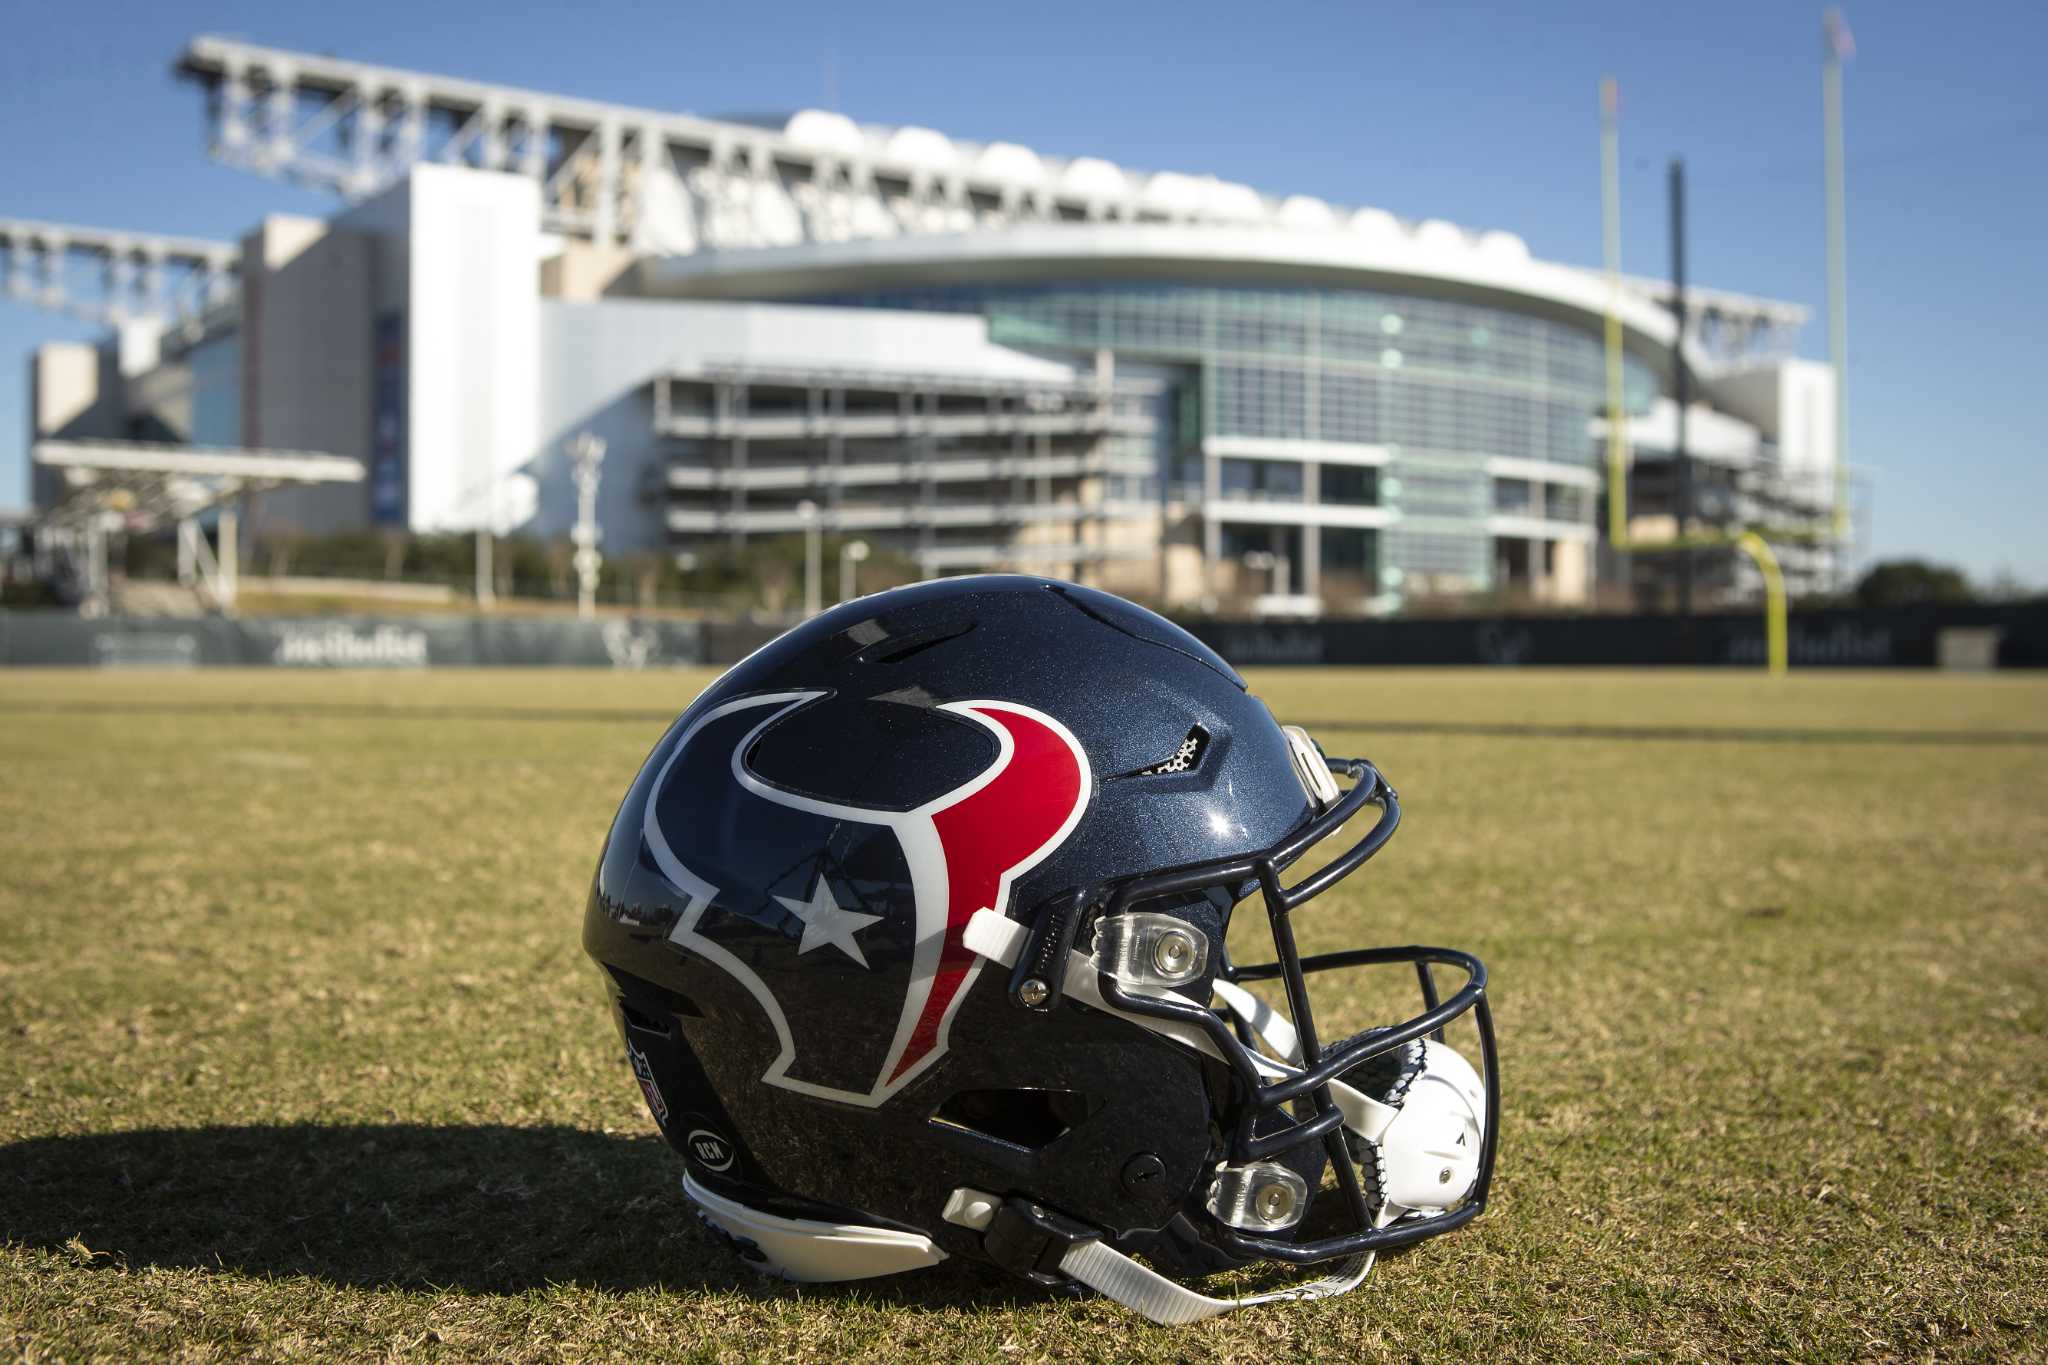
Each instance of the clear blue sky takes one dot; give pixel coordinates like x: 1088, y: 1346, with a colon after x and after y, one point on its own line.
x: 1483, y: 114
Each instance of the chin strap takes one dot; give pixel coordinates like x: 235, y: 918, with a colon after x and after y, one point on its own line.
x: 1119, y: 1278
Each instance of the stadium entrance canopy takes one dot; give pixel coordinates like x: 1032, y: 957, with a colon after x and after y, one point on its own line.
x: 140, y: 485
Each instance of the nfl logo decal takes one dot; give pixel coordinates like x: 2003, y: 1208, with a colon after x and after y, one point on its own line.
x: 644, y: 1073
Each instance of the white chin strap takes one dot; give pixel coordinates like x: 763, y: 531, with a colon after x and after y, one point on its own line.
x: 1145, y: 1291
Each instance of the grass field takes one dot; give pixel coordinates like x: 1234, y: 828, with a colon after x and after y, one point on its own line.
x: 299, y: 1052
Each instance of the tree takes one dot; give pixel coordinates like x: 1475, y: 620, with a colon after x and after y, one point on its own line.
x: 1910, y: 582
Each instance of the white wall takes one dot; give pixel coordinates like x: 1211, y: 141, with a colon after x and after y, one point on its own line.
x: 72, y: 395
x: 305, y: 362
x: 473, y: 333
x: 1792, y: 403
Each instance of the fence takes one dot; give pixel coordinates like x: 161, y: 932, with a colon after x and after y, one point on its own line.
x: 1904, y: 637
x: 1893, y: 637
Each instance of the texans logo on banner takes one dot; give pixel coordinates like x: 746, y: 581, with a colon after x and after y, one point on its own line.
x: 781, y: 888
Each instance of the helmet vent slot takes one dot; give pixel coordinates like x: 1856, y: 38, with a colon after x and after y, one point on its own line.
x: 1184, y: 759
x: 894, y: 649
x: 1029, y: 1119
x: 641, y: 1020
x: 651, y: 1007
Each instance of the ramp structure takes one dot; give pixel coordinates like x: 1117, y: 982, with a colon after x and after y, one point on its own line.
x: 116, y: 486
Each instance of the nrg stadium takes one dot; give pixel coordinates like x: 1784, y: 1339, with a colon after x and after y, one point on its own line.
x: 974, y: 355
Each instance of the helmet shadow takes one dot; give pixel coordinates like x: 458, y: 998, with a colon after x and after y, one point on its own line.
x: 486, y: 1209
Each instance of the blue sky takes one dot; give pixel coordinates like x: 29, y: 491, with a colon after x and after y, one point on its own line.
x: 1483, y: 114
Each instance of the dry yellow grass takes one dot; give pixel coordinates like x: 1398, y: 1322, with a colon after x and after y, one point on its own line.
x: 299, y: 1053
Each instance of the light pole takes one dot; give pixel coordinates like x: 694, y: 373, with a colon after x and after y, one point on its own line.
x: 807, y: 512
x: 1837, y: 46
x: 851, y: 553
x: 486, y: 595
x: 586, y: 454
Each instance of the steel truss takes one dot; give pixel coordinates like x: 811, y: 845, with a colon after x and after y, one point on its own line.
x: 109, y: 276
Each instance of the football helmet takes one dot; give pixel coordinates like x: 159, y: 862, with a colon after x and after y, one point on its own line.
x: 913, y: 926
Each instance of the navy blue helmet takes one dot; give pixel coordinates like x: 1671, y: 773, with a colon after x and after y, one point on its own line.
x: 913, y: 925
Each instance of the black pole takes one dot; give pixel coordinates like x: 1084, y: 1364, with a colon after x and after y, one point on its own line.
x: 1681, y: 381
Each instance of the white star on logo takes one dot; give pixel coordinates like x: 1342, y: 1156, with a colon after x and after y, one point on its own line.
x: 825, y: 922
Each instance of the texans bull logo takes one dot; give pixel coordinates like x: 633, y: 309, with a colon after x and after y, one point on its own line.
x: 780, y: 886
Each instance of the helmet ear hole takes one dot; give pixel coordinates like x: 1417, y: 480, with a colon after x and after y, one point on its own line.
x: 1029, y: 1119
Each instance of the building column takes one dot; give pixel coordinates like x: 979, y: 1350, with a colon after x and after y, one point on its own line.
x: 732, y: 416
x: 1212, y: 530
x: 605, y: 221
x: 1311, y: 532
x: 1018, y: 455
x: 927, y: 404
x: 835, y: 450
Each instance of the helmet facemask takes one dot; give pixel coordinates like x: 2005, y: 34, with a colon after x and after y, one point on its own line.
x: 1399, y: 1120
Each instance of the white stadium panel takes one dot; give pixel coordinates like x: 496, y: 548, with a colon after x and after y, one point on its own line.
x: 1176, y: 195
x: 825, y: 130
x: 1503, y: 248
x: 1436, y: 235
x: 1230, y: 202
x: 1376, y: 224
x: 923, y: 148
x: 1306, y: 211
x: 1095, y: 180
x: 1008, y: 161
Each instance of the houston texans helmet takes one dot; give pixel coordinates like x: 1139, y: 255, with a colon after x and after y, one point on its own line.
x: 913, y: 926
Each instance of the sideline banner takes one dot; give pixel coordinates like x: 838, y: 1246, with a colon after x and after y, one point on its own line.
x: 37, y: 637
x: 1893, y: 637
x: 1902, y: 637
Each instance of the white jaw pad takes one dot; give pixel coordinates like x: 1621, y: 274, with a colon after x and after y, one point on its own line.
x: 1430, y: 1153
x: 801, y: 1249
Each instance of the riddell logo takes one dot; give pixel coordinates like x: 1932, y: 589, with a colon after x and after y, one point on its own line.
x: 711, y: 1149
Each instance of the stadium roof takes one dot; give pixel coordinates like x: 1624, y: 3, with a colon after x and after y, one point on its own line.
x: 1066, y: 251
x: 590, y: 155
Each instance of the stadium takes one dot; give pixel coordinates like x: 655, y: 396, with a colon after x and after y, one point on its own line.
x: 974, y: 356
x: 360, y: 1002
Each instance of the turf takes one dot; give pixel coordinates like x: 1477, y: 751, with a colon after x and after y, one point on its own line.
x: 299, y: 1053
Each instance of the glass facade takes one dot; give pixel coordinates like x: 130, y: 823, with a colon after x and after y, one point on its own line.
x: 216, y: 391
x: 1443, y: 384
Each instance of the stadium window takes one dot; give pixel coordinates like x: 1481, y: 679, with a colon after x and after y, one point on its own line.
x: 1260, y: 480
x: 1350, y: 485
